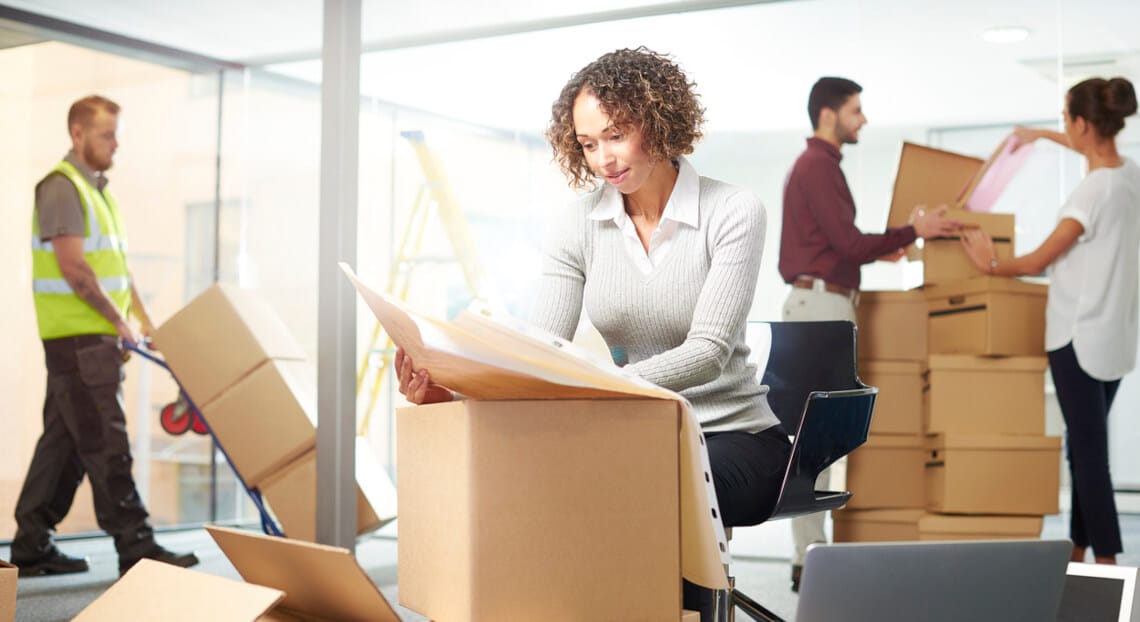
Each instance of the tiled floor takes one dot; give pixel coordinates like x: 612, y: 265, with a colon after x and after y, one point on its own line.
x: 61, y: 598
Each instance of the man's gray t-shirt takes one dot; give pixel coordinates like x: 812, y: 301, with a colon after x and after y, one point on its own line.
x: 58, y: 207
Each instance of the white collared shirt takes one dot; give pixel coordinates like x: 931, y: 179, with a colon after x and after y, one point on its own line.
x: 681, y: 209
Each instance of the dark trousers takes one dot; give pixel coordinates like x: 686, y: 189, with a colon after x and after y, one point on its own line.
x: 85, y: 432
x: 747, y: 471
x: 1085, y: 402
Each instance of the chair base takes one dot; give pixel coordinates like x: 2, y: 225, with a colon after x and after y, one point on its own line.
x: 726, y: 602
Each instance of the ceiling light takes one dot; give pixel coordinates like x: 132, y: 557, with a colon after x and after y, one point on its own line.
x: 1005, y: 34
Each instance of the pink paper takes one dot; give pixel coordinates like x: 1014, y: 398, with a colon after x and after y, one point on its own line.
x: 998, y: 175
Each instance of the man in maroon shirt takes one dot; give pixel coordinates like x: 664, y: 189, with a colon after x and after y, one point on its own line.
x: 821, y: 249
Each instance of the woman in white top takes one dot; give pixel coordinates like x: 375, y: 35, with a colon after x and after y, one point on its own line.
x: 665, y: 262
x: 1094, y: 295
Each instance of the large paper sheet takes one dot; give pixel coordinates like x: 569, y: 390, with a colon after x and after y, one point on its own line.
x: 996, y: 174
x: 488, y: 355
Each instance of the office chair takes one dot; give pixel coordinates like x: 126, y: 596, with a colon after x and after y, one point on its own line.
x: 815, y: 391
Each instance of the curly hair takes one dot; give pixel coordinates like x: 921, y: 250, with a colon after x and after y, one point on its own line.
x: 635, y: 88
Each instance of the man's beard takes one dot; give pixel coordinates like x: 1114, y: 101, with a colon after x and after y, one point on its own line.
x: 98, y: 164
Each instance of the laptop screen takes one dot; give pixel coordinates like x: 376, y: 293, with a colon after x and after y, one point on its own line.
x: 999, y: 581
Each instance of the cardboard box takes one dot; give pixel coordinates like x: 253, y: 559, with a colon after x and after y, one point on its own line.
x: 892, y: 325
x: 975, y: 474
x: 284, y: 580
x: 945, y: 261
x: 8, y: 577
x: 986, y: 395
x: 267, y: 419
x: 292, y: 494
x: 904, y: 392
x: 954, y: 527
x: 993, y: 316
x: 887, y: 472
x: 876, y: 525
x: 540, y: 510
x: 690, y: 616
x: 221, y: 336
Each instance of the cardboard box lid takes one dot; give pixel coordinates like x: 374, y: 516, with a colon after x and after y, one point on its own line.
x: 220, y: 336
x: 156, y: 591
x: 968, y: 362
x: 955, y: 440
x: 892, y: 367
x: 318, y: 580
x: 902, y: 441
x: 886, y: 296
x: 999, y: 226
x: 1013, y: 525
x: 879, y: 516
x: 985, y: 284
x: 929, y: 176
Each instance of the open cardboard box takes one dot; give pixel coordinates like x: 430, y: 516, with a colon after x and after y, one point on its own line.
x: 935, y: 177
x: 8, y: 576
x: 554, y: 510
x: 285, y: 580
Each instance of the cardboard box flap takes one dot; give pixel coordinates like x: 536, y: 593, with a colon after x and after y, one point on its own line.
x: 929, y: 176
x: 956, y: 440
x: 157, y: 591
x: 1013, y: 525
x: 879, y: 516
x: 892, y: 367
x: 882, y: 441
x: 967, y: 362
x: 984, y: 285
x: 219, y: 337
x: 320, y: 581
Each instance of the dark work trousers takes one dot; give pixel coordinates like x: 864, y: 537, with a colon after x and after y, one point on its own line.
x: 747, y: 471
x: 1085, y: 402
x: 85, y: 432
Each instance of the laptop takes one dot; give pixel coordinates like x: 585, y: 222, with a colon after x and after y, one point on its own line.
x: 980, y: 581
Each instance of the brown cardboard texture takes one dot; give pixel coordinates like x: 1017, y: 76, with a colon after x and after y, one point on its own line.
x: 267, y: 419
x: 8, y: 575
x: 690, y: 616
x: 156, y: 591
x: 292, y: 494
x: 931, y: 177
x: 220, y: 336
x: 904, y: 391
x: 886, y: 472
x: 955, y: 527
x: 540, y: 509
x: 975, y: 474
x: 991, y: 316
x: 876, y: 525
x: 986, y: 395
x: 892, y: 325
x: 945, y: 261
x: 320, y: 582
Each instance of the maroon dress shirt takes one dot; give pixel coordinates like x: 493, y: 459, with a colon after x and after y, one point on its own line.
x: 819, y: 237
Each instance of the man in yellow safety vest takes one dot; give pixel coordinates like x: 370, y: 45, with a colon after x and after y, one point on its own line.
x: 83, y: 297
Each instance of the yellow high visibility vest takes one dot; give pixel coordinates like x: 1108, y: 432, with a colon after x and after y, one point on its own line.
x: 59, y: 311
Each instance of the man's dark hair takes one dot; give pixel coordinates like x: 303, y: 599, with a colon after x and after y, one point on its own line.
x: 832, y: 93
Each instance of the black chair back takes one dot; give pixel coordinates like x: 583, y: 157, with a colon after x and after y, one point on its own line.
x: 816, y: 393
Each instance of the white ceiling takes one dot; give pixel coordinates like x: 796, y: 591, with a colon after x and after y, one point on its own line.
x: 922, y: 62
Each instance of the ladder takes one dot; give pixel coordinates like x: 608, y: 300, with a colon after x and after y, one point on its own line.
x: 434, y: 191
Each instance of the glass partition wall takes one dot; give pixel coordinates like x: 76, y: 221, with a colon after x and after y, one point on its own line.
x: 218, y: 169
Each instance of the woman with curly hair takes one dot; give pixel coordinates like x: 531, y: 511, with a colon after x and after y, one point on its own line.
x: 1091, y: 316
x: 665, y: 263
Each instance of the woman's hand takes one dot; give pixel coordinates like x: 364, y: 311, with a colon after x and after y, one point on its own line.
x: 979, y: 246
x: 1025, y: 136
x: 416, y: 386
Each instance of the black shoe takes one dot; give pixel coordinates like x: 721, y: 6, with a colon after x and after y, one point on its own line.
x: 797, y: 570
x: 183, y: 560
x: 54, y: 562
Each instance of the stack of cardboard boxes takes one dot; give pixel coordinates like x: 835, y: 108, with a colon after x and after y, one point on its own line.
x: 237, y: 361
x: 957, y: 447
